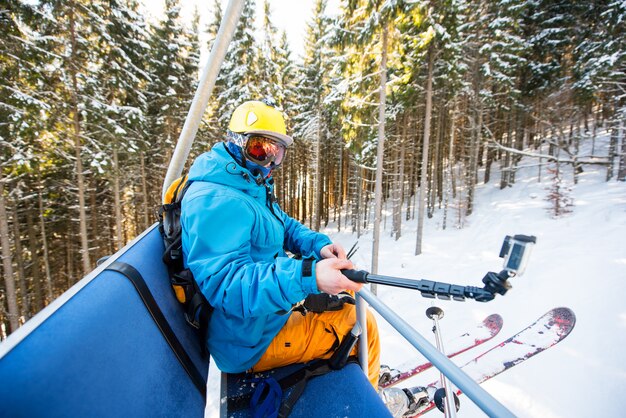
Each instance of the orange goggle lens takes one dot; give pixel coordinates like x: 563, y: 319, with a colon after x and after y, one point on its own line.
x: 264, y: 151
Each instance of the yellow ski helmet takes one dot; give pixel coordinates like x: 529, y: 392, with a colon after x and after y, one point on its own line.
x: 256, y: 117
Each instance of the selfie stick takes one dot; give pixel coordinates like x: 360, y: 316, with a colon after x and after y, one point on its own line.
x: 515, y: 251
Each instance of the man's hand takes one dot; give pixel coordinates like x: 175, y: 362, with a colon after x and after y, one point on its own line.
x: 333, y: 251
x: 329, y: 278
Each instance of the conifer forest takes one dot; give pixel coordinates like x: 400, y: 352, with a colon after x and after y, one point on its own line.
x: 411, y: 101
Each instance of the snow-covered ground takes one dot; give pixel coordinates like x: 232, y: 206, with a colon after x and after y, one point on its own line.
x: 579, y: 262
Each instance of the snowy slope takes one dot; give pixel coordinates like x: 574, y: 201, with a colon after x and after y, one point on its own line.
x: 579, y: 262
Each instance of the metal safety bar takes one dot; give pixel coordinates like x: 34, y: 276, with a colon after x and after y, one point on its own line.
x: 361, y: 315
x: 477, y: 394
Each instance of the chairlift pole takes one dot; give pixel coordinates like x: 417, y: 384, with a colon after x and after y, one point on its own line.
x: 203, y: 92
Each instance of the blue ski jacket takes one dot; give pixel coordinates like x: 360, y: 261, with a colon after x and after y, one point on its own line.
x: 234, y: 238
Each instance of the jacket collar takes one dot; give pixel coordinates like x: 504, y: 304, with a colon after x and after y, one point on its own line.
x: 220, y: 166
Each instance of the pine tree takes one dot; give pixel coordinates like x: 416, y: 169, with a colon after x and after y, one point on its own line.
x: 50, y: 136
x: 10, y: 115
x: 558, y: 195
x: 269, y: 69
x: 288, y: 74
x: 122, y: 76
x: 599, y: 65
x: 239, y: 73
x: 66, y: 37
x: 311, y: 119
x: 171, y: 86
x: 288, y: 99
x: 504, y: 50
x: 20, y: 125
x: 211, y: 131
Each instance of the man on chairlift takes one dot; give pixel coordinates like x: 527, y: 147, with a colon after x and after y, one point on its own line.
x: 270, y: 310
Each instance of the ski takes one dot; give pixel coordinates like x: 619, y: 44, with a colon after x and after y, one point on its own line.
x: 484, y: 332
x: 544, y: 333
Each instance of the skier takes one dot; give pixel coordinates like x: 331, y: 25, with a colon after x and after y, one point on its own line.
x: 234, y: 238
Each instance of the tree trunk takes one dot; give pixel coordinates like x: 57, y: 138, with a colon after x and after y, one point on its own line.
x: 340, y: 189
x: 317, y: 198
x: 19, y: 259
x: 399, y: 183
x: 69, y: 263
x: 144, y: 191
x: 35, y: 268
x: 621, y: 172
x: 612, y: 149
x: 519, y: 141
x: 506, y: 162
x: 44, y: 240
x: 472, y: 170
x: 98, y: 238
x: 119, y: 242
x: 378, y: 190
x: 359, y: 200
x: 412, y: 174
x: 423, y: 174
x: 7, y: 262
x: 449, y: 186
x: 490, y: 154
x: 435, y: 192
x: 310, y: 199
x: 82, y: 213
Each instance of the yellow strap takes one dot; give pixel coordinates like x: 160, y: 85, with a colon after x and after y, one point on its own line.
x: 180, y: 293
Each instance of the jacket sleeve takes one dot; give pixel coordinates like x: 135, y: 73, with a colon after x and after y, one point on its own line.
x: 216, y: 242
x: 301, y: 240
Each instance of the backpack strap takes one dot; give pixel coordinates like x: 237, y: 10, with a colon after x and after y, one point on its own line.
x: 292, y: 384
x: 266, y: 399
x: 197, y: 309
x: 169, y: 219
x: 301, y: 378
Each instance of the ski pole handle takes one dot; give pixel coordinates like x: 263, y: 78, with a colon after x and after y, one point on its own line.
x: 340, y: 357
x: 359, y: 276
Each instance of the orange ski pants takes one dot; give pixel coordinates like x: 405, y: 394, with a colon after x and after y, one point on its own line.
x: 314, y: 336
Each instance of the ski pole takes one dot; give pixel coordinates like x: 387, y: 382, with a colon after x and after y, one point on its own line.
x: 435, y: 313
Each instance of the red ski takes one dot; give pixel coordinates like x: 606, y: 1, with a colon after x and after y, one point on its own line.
x: 544, y: 333
x: 485, y: 331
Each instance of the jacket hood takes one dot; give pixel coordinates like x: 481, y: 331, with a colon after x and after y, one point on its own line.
x: 218, y: 166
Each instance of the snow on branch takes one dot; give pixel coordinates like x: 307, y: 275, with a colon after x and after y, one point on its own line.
x: 494, y: 144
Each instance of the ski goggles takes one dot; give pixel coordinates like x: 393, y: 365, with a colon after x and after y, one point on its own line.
x: 263, y: 150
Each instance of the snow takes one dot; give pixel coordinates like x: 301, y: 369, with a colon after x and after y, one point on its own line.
x: 579, y: 262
